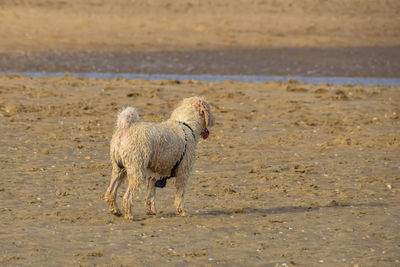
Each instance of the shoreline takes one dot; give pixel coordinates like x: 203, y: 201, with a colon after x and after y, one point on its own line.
x: 369, y: 81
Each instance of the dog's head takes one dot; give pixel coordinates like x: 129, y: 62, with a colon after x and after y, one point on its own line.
x: 195, y: 109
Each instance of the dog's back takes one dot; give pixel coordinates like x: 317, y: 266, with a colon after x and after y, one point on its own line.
x: 153, y: 147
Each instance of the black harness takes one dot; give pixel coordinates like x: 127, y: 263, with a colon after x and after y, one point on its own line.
x: 162, y: 182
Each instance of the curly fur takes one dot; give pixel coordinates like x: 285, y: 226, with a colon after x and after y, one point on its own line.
x: 145, y: 151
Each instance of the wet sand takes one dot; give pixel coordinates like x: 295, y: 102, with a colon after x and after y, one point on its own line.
x: 295, y: 61
x: 292, y: 174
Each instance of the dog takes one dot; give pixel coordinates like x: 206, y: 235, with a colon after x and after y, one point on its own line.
x: 152, y: 153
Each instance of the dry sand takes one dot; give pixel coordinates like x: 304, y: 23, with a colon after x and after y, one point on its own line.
x: 292, y: 174
x: 72, y: 25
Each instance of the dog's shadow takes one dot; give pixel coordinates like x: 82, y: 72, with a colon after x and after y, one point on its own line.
x: 264, y: 212
x: 285, y: 209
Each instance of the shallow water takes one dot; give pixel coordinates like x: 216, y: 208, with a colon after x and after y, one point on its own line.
x: 220, y: 78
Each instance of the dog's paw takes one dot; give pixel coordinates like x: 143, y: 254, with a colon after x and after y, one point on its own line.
x: 181, y: 213
x: 128, y: 217
x: 150, y: 212
x: 116, y: 213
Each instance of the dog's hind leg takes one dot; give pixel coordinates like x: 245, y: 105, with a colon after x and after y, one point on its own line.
x: 117, y: 176
x: 133, y: 178
x: 151, y: 197
x: 180, y: 185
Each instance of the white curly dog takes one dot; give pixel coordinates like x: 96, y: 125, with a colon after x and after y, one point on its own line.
x: 154, y: 152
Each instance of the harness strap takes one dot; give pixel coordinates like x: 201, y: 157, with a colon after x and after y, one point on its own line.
x: 187, y: 125
x: 162, y: 182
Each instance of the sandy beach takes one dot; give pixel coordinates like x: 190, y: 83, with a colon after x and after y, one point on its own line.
x: 292, y: 174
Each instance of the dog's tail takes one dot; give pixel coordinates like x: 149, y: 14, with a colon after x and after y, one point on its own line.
x: 127, y: 117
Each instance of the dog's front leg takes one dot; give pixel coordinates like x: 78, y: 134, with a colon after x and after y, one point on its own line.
x: 151, y: 196
x: 180, y: 185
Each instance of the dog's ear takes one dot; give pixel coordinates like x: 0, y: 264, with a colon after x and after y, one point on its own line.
x: 204, y: 111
